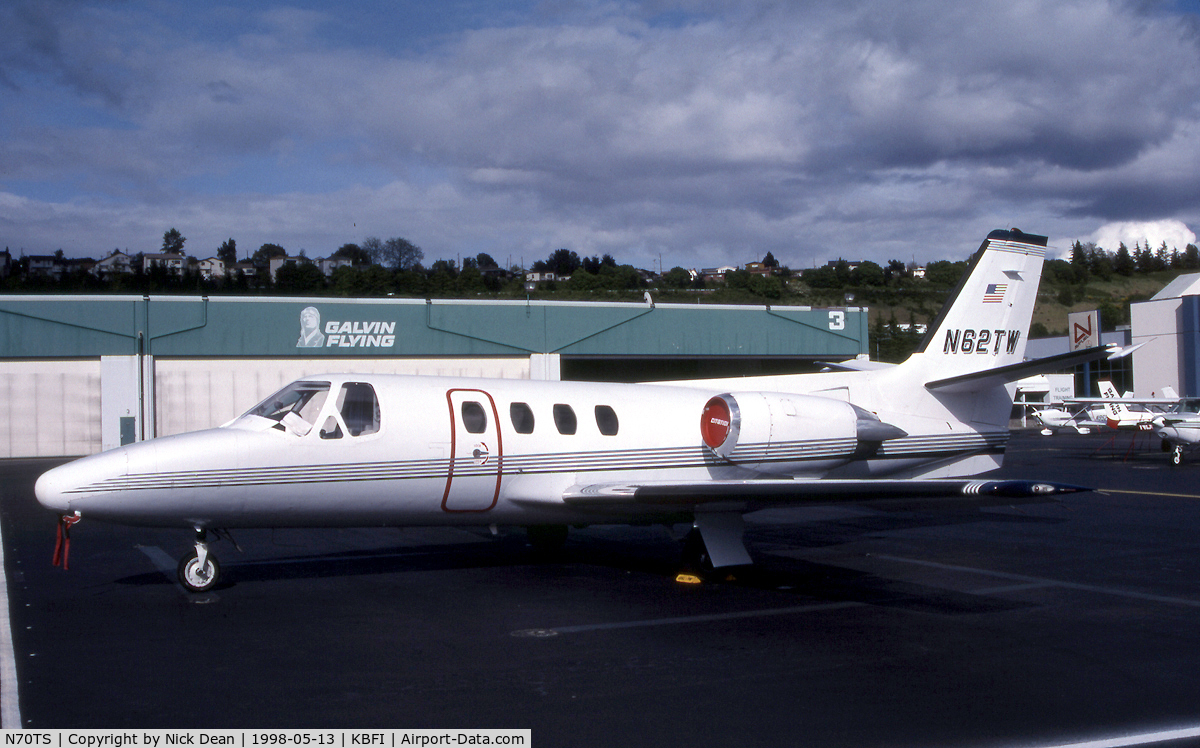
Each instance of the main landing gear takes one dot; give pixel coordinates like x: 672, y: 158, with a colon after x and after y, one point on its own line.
x: 715, y: 541
x: 1176, y: 450
x: 199, y: 570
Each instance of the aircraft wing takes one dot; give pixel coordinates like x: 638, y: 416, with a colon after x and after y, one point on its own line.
x: 1125, y: 400
x: 1011, y: 373
x: 786, y: 491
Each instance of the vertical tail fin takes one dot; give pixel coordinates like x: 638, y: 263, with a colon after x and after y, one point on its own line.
x: 1116, y: 411
x: 986, y: 321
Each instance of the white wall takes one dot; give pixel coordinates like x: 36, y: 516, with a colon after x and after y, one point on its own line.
x: 49, y: 408
x: 1157, y: 363
x: 194, y: 394
x: 53, y: 408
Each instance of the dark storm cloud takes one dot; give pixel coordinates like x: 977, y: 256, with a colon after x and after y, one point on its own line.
x: 708, y: 131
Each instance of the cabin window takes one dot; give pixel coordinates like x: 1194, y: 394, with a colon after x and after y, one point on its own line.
x: 522, y: 417
x: 359, y: 408
x: 474, y: 417
x: 295, y: 407
x: 564, y: 419
x: 606, y: 420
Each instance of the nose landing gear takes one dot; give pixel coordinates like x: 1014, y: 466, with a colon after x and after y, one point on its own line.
x: 199, y: 570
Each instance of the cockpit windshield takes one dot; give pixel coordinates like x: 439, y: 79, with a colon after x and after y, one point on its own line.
x: 295, y: 407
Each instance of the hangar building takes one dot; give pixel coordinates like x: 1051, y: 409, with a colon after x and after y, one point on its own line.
x: 83, y: 373
x: 1169, y: 326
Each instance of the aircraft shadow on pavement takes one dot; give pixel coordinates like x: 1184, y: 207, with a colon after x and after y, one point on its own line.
x: 797, y: 580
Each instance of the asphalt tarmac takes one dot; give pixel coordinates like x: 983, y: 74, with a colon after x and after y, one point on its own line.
x: 1011, y: 626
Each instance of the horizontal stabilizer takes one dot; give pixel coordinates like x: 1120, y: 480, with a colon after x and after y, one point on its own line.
x: 854, y: 364
x: 981, y: 380
x: 804, y: 491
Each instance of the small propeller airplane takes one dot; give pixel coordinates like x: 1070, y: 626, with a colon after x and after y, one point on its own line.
x: 1110, y: 410
x: 383, y: 450
x: 1179, y: 426
x: 1060, y: 418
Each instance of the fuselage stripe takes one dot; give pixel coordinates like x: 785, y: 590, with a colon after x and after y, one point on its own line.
x: 750, y: 456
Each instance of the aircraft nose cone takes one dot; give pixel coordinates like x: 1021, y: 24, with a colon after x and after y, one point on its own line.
x: 50, y: 490
x: 58, y: 488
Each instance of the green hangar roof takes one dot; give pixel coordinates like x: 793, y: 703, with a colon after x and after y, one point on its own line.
x: 173, y: 326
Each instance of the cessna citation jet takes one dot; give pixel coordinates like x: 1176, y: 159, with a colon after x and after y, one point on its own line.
x: 380, y: 450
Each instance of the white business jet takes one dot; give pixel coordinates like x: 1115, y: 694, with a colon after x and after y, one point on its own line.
x: 380, y: 450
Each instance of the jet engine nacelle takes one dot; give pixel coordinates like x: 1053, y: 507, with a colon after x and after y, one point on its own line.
x: 785, y: 434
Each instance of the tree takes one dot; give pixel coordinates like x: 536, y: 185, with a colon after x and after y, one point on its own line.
x: 446, y: 267
x: 1099, y: 262
x: 300, y: 277
x: 227, y: 252
x: 677, y: 277
x: 867, y: 274
x: 400, y: 254
x: 373, y: 246
x: 368, y: 280
x: 1123, y: 263
x: 770, y: 261
x: 822, y: 277
x: 563, y: 262
x: 354, y: 253
x: 944, y: 272
x: 173, y: 241
x: 1080, y: 264
x: 263, y: 255
x: 896, y: 270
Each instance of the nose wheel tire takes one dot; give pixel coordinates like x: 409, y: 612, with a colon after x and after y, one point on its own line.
x: 197, y: 577
x: 1177, y: 455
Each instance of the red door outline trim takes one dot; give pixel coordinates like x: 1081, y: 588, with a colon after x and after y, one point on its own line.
x: 454, y: 450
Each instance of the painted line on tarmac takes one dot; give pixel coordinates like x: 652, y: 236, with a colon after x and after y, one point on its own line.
x: 1044, y: 581
x: 10, y: 699
x: 159, y: 558
x: 681, y: 620
x: 1149, y: 738
x: 1149, y: 493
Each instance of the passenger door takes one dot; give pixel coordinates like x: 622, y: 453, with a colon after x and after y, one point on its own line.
x: 473, y: 478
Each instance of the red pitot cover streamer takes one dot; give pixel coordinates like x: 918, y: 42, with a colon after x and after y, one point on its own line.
x: 62, y: 545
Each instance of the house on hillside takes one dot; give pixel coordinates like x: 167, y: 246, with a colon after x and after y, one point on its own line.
x: 211, y: 267
x: 174, y: 262
x: 117, y: 263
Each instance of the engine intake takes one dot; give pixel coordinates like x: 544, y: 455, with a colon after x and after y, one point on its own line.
x: 778, y: 433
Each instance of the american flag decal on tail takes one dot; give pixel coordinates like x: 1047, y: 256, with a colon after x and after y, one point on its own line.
x: 994, y: 294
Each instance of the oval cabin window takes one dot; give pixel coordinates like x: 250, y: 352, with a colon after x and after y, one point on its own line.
x: 474, y: 418
x: 564, y: 419
x: 606, y: 420
x: 522, y: 418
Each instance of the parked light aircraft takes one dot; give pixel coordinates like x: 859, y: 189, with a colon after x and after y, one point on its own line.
x: 1061, y: 418
x: 1110, y: 410
x: 377, y: 450
x: 1179, y: 426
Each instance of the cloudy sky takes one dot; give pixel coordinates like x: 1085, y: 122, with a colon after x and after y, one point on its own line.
x: 686, y: 132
